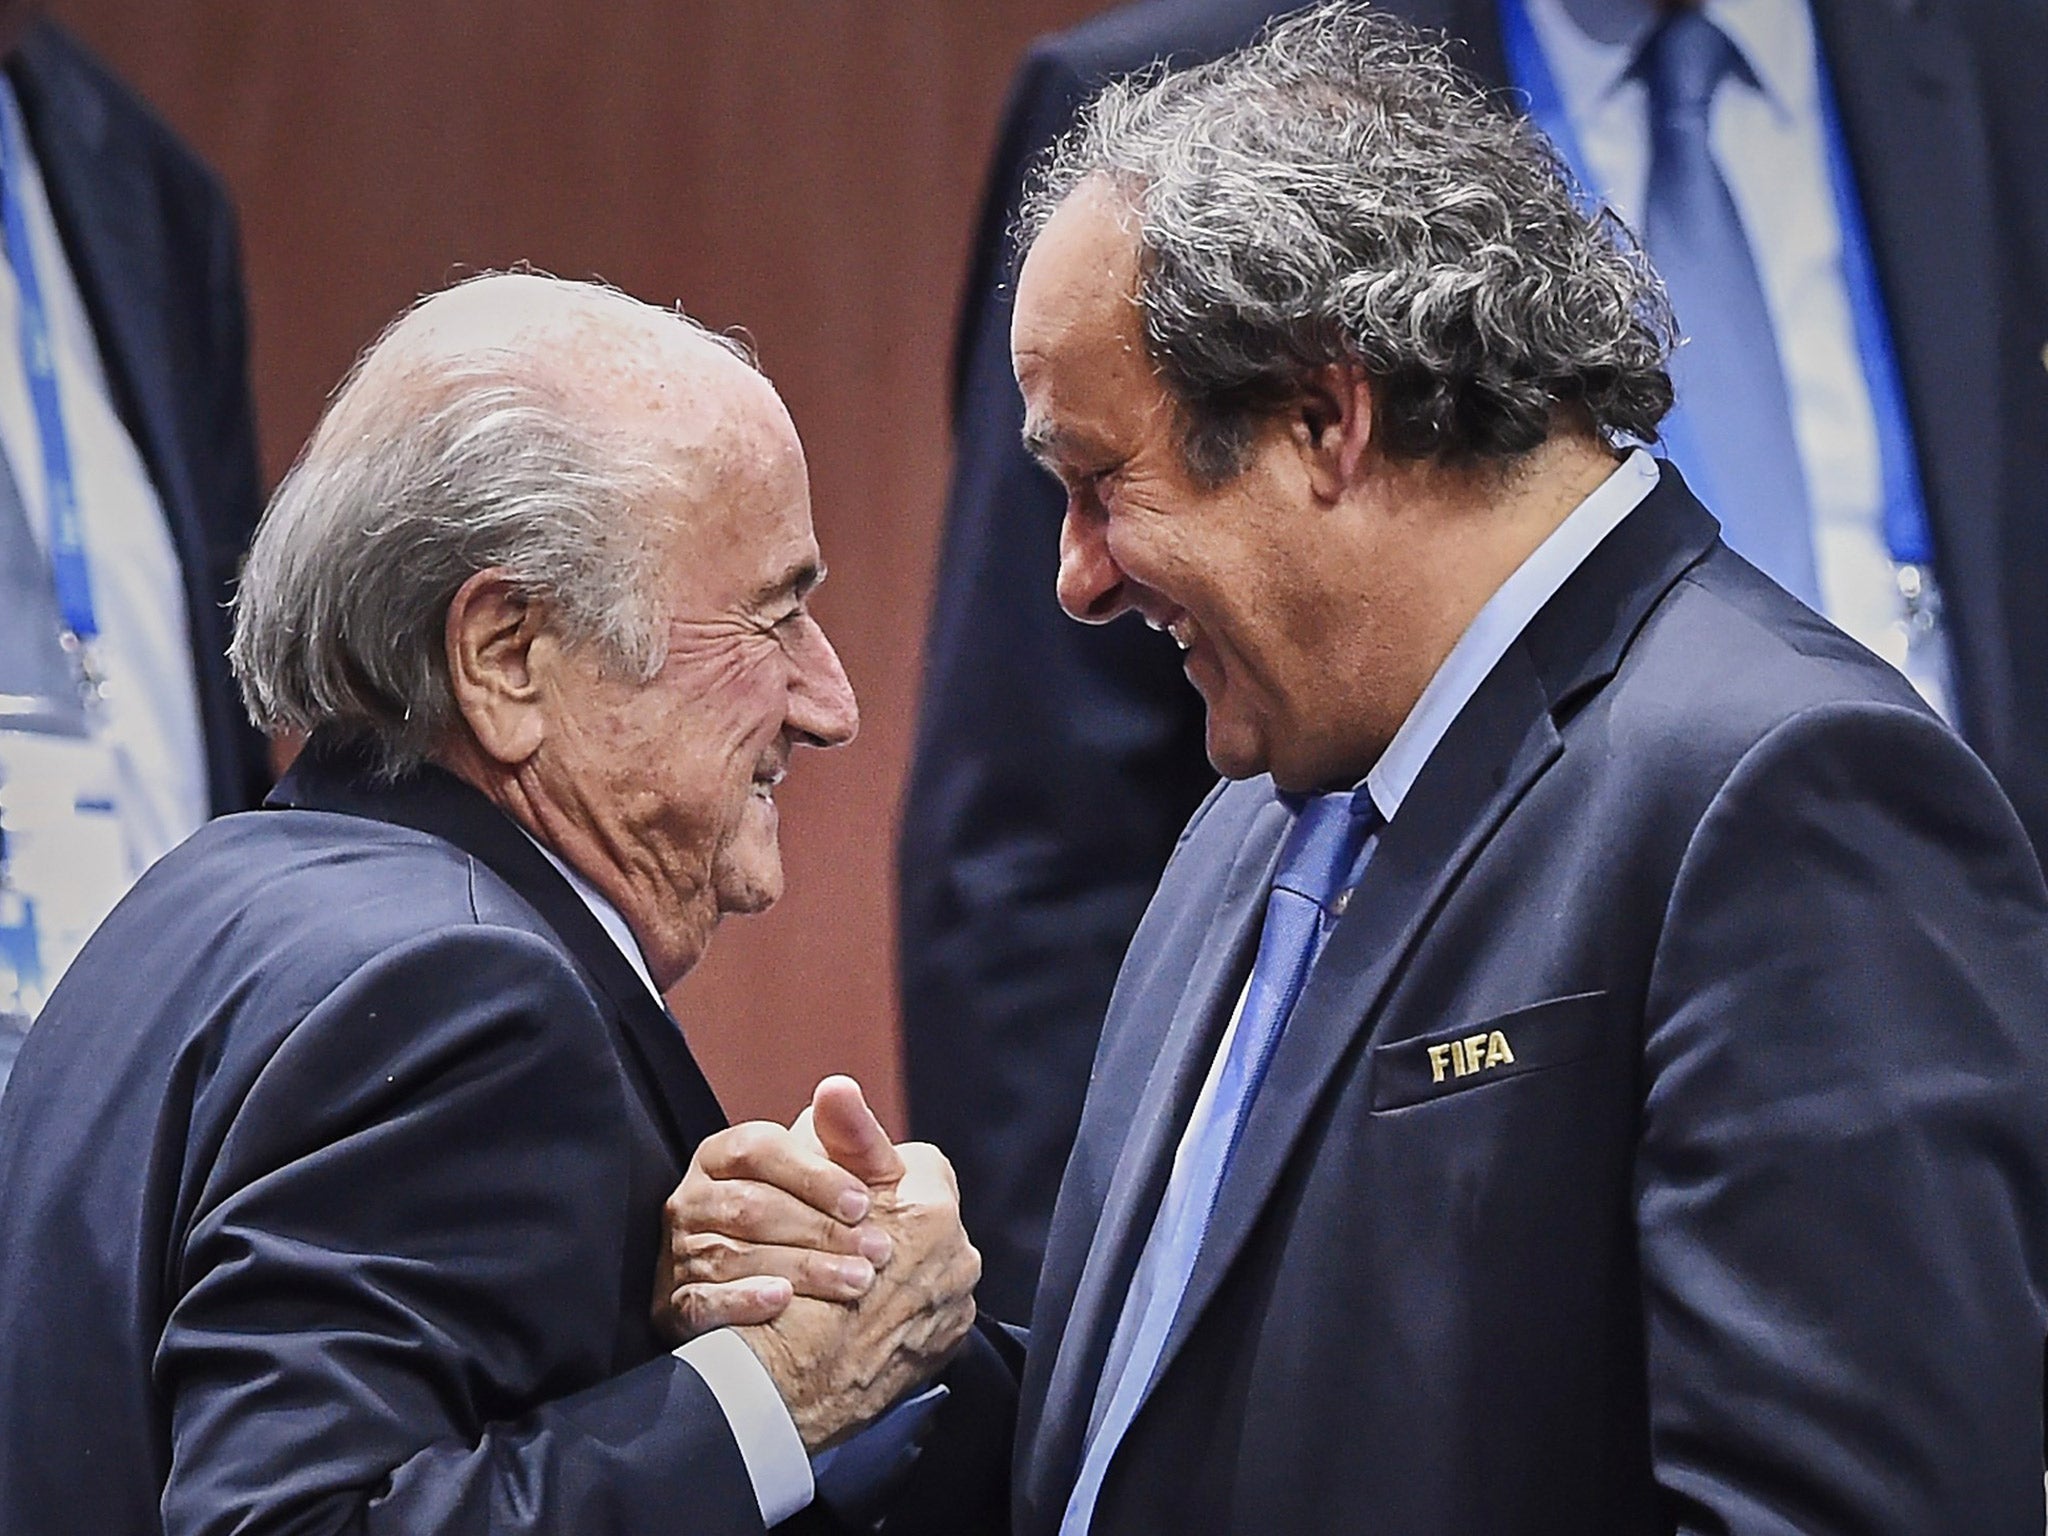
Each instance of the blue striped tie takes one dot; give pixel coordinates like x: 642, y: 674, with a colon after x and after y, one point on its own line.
x: 1320, y: 857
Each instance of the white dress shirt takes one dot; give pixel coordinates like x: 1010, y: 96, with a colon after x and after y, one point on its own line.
x: 1770, y: 141
x: 777, y: 1463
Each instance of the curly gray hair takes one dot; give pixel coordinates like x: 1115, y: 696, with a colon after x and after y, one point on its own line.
x: 433, y: 463
x: 1338, y: 191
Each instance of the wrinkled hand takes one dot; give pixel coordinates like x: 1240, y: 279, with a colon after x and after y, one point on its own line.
x: 846, y: 1310
x: 763, y: 1215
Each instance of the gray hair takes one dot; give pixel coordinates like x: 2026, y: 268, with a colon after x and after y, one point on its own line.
x: 1339, y: 192
x: 430, y: 465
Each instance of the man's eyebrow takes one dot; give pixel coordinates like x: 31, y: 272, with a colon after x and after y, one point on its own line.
x: 1041, y: 441
x: 1052, y: 445
x: 798, y: 581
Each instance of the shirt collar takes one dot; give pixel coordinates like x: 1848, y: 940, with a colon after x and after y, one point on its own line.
x: 1775, y: 38
x: 1590, y: 45
x: 1500, y: 623
x: 607, y: 916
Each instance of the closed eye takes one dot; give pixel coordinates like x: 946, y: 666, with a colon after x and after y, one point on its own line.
x: 1096, y: 486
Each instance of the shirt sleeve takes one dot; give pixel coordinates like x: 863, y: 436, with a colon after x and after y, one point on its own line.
x: 777, y: 1463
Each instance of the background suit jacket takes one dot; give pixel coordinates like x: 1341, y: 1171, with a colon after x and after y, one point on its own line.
x: 1055, y: 764
x: 151, y: 239
x: 330, y: 1190
x: 1751, y: 1234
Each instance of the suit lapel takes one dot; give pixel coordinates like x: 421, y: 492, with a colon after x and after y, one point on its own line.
x: 440, y: 805
x: 1500, y: 744
x: 1162, y: 1054
x: 1922, y: 167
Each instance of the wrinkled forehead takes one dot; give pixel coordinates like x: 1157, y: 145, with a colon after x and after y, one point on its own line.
x: 1079, y: 281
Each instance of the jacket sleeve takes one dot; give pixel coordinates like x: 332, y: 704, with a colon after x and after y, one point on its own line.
x: 395, y: 1279
x: 960, y: 1482
x: 1840, y: 1183
x: 1054, y: 765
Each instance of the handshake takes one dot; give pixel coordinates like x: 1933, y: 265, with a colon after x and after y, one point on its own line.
x: 838, y: 1257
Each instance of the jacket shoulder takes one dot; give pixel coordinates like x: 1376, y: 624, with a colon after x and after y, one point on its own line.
x: 1726, y: 658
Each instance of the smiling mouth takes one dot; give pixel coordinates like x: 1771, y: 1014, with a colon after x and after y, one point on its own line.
x: 765, y: 780
x: 1179, y: 627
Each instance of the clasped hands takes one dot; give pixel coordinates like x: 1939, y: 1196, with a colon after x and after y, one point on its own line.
x: 838, y: 1257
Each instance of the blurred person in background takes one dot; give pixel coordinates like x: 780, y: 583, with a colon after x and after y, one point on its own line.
x: 1849, y: 202
x: 129, y: 488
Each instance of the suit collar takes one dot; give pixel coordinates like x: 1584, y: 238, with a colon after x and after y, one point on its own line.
x: 1496, y: 749
x: 330, y: 776
x: 1501, y: 620
x: 1578, y: 639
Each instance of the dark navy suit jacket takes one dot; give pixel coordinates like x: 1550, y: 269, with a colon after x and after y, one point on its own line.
x: 330, y: 1190
x: 1056, y: 764
x: 151, y: 240
x: 1740, y: 1226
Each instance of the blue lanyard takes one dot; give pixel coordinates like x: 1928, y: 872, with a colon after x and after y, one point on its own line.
x: 1906, y: 528
x: 68, y: 565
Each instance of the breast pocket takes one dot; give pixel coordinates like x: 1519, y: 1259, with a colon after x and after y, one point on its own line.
x: 1495, y: 1050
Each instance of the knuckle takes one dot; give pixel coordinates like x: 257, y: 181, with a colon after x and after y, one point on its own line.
x: 821, y: 1274
x: 730, y: 1206
x: 750, y: 1139
x: 715, y: 1153
x: 709, y: 1256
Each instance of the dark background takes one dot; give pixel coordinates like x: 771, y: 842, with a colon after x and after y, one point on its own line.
x: 807, y: 169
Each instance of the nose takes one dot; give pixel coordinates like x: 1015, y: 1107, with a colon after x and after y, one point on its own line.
x: 822, y: 709
x: 1092, y: 587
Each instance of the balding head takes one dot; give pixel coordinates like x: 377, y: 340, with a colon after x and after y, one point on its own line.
x: 606, y: 356
x: 516, y: 421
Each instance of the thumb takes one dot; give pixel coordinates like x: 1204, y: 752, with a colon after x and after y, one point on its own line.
x: 804, y: 1131
x: 851, y: 1135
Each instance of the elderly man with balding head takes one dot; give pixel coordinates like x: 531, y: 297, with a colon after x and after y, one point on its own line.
x: 331, y: 1180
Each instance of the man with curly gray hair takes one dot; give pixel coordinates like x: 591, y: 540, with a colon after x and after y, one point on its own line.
x: 1587, y: 1068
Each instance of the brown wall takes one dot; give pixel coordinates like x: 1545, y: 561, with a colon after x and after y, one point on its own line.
x: 805, y: 168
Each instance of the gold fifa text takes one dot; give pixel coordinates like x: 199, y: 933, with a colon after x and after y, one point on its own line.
x: 1474, y: 1053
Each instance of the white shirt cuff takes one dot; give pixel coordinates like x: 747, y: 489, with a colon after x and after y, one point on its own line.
x: 777, y: 1464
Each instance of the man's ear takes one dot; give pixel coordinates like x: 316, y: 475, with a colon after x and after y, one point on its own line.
x: 1332, y: 425
x: 490, y: 642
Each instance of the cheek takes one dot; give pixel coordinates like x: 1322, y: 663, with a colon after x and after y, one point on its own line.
x: 731, y: 701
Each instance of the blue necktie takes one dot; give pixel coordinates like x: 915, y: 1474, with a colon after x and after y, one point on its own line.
x: 1320, y: 857
x: 1728, y: 375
